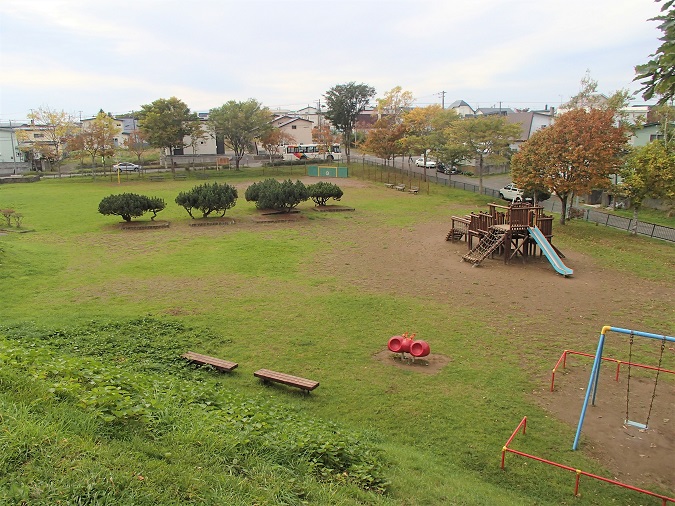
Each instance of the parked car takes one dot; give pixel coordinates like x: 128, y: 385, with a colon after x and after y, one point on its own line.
x: 431, y: 164
x: 512, y: 192
x: 126, y: 167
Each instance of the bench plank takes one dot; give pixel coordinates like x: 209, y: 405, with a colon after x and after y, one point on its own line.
x: 286, y: 379
x: 217, y: 363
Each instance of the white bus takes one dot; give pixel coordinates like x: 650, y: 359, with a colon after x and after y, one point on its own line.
x: 304, y: 151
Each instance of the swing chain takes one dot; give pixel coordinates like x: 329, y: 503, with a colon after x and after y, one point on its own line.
x: 656, y: 380
x: 630, y: 357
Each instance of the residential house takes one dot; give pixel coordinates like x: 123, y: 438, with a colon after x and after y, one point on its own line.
x: 298, y: 128
x: 648, y: 133
x: 638, y: 114
x: 462, y: 108
x: 12, y: 159
x: 494, y: 111
x: 9, y: 145
x: 124, y: 124
x: 529, y: 123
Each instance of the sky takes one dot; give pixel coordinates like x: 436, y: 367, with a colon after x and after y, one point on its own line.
x: 81, y: 56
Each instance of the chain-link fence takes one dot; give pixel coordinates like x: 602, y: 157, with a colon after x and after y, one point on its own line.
x: 553, y: 205
x: 643, y: 228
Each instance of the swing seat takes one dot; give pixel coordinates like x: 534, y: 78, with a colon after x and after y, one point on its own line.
x: 636, y: 424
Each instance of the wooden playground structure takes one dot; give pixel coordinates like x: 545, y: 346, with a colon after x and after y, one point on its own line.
x: 520, y: 229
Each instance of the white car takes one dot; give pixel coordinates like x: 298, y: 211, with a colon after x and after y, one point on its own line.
x: 431, y: 164
x: 512, y: 192
x: 126, y: 167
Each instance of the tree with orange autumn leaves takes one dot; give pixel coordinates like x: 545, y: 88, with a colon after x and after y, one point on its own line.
x: 575, y: 155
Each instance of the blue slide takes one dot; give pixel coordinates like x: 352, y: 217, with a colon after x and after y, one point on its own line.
x: 550, y: 253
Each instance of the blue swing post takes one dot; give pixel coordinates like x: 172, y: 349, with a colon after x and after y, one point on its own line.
x: 595, y: 374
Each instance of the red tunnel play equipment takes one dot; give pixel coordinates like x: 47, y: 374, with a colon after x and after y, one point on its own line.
x: 395, y: 343
x: 419, y: 349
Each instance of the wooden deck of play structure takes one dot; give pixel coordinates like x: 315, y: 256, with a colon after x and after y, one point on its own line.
x: 504, y: 231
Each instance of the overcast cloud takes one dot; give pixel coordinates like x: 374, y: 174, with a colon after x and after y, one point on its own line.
x: 84, y: 55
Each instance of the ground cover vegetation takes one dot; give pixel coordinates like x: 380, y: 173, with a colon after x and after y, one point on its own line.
x: 98, y: 408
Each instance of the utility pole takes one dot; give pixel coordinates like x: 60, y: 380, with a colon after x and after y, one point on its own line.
x: 443, y: 99
x: 318, y: 111
x: 11, y: 136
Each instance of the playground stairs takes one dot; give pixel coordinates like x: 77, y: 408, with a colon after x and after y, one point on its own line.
x: 487, y: 245
x: 455, y: 235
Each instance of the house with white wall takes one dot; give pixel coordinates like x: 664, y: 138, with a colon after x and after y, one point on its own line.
x: 529, y: 122
x: 298, y: 128
x: 462, y: 108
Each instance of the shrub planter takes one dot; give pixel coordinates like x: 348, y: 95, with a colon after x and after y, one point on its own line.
x: 143, y: 225
x: 332, y: 208
x: 206, y: 222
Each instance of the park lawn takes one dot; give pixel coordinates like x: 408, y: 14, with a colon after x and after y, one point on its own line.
x: 98, y: 298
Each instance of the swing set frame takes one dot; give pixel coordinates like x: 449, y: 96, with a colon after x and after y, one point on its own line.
x: 595, y: 373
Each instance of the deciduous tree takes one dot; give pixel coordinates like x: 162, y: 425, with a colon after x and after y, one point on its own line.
x: 395, y: 104
x: 97, y: 139
x: 325, y: 138
x: 484, y: 138
x: 239, y: 124
x: 137, y: 143
x: 649, y: 173
x: 344, y: 104
x: 273, y: 140
x: 426, y: 130
x: 385, y: 138
x: 576, y: 154
x: 165, y: 124
x: 197, y: 133
x: 58, y: 128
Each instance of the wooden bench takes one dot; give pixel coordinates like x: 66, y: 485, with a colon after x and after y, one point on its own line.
x: 389, y: 185
x: 217, y: 363
x: 293, y: 381
x: 180, y: 176
x: 400, y: 187
x: 156, y: 178
x: 414, y: 189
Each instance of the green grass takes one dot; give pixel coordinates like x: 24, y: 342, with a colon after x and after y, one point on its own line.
x: 96, y: 407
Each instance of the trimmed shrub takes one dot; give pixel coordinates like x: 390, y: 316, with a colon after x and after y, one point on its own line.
x: 272, y: 194
x: 130, y: 205
x: 208, y: 198
x: 322, y: 191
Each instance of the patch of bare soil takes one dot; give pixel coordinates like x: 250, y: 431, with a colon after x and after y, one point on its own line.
x: 635, y: 456
x: 431, y: 364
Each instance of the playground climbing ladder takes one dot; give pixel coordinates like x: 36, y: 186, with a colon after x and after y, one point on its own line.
x: 485, y: 247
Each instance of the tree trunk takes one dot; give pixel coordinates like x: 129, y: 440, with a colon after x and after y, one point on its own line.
x: 480, y: 174
x: 633, y: 228
x: 563, y: 213
x: 348, y: 143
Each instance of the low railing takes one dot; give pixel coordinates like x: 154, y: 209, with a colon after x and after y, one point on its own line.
x: 578, y: 472
x: 563, y: 360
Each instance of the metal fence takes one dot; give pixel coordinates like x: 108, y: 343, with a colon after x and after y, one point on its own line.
x: 553, y: 205
x: 643, y: 228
